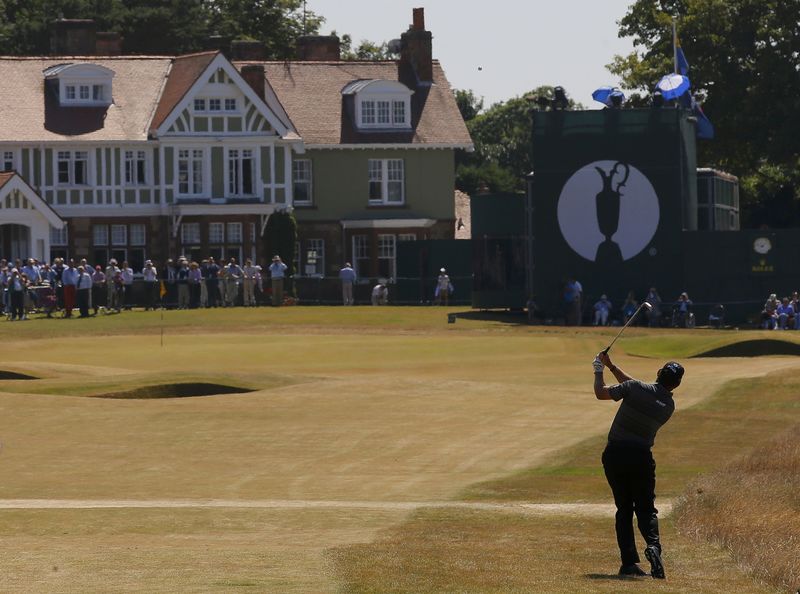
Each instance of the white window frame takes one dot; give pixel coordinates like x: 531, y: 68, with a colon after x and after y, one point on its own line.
x: 215, y: 104
x: 221, y: 228
x: 134, y: 157
x: 302, y: 175
x: 360, y: 250
x: 235, y: 158
x: 9, y: 161
x: 192, y: 169
x: 137, y: 234
x: 199, y: 105
x: 318, y: 247
x: 72, y: 158
x: 190, y: 233
x: 59, y: 237
x: 379, y: 171
x: 382, y: 105
x: 122, y: 238
x: 228, y: 109
x: 387, y: 250
x: 100, y: 235
x: 406, y: 237
x: 234, y: 233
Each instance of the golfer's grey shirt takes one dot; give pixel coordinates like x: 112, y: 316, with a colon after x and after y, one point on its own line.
x: 644, y: 409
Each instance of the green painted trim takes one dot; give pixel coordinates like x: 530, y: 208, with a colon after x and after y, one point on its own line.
x: 130, y: 196
x: 115, y: 167
x: 48, y: 167
x: 234, y: 124
x: 201, y: 124
x: 144, y: 197
x: 217, y: 172
x: 217, y: 124
x: 74, y: 196
x: 169, y: 164
x: 265, y: 177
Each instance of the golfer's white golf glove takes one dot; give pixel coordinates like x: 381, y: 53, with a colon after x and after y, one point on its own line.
x: 598, y: 365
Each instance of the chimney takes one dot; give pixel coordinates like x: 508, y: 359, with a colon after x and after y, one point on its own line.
x: 416, y: 48
x: 318, y: 48
x: 250, y: 51
x: 217, y: 42
x: 108, y: 43
x: 253, y: 74
x: 73, y: 37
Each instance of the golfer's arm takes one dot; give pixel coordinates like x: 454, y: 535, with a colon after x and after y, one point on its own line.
x: 620, y: 375
x: 600, y: 388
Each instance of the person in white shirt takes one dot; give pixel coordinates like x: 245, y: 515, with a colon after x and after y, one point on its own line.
x: 150, y: 276
x: 380, y: 294
x: 127, y: 285
x: 277, y: 270
x: 112, y: 297
x: 443, y: 288
x: 83, y: 286
x: 249, y: 273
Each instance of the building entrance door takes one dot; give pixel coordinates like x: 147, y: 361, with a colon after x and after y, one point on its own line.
x: 15, y: 242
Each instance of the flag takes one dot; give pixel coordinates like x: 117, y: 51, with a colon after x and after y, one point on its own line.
x: 163, y: 290
x: 680, y: 61
x: 705, y: 129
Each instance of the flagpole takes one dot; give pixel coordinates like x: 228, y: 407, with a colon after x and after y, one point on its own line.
x: 675, y: 43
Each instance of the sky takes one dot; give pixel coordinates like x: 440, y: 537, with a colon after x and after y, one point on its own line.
x: 503, y: 48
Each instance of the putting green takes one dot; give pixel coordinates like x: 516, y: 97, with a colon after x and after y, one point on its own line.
x: 342, y: 411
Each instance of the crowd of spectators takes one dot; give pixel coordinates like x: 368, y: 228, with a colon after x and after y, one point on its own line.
x: 66, y: 285
x: 781, y: 314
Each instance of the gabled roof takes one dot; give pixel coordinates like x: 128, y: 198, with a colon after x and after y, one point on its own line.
x: 11, y: 180
x: 30, y: 113
x: 184, y: 73
x: 311, y: 92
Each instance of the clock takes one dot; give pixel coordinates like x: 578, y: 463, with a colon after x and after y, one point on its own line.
x: 762, y: 245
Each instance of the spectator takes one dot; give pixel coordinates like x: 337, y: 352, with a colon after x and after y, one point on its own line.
x: 769, y: 315
x: 380, y: 294
x: 233, y: 276
x: 150, y: 277
x: 169, y: 276
x: 16, y: 294
x: 70, y: 279
x: 249, y: 276
x: 573, y: 294
x: 195, y: 285
x: 653, y: 314
x: 277, y: 270
x: 443, y: 288
x: 785, y: 312
x: 601, y: 310
x: 682, y: 312
x: 99, y: 291
x: 348, y: 277
x: 795, y: 303
x: 112, y: 292
x: 212, y: 283
x: 182, y: 282
x: 716, y: 317
x: 83, y: 288
x: 629, y: 307
x: 126, y: 272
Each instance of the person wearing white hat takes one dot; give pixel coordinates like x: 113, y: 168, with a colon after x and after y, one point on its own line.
x: 443, y: 288
x: 601, y: 311
x: 277, y: 271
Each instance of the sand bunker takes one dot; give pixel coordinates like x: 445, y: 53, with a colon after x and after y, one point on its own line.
x: 754, y: 348
x: 13, y: 375
x: 183, y: 390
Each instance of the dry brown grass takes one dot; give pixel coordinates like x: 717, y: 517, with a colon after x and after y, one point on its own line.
x: 752, y: 507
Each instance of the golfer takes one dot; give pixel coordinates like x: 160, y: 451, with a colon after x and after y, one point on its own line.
x: 627, y: 459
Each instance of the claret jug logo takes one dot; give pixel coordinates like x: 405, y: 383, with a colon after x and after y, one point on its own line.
x: 608, y: 212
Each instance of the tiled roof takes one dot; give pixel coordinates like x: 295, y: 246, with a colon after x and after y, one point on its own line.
x: 311, y: 92
x: 5, y: 176
x: 184, y: 73
x: 27, y: 114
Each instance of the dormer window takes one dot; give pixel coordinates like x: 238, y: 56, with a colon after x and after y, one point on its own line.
x: 380, y: 104
x: 215, y: 104
x: 81, y: 84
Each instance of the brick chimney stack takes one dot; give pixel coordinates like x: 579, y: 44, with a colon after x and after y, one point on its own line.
x: 253, y: 74
x: 73, y: 37
x: 108, y: 44
x: 248, y: 51
x: 416, y: 48
x: 318, y: 48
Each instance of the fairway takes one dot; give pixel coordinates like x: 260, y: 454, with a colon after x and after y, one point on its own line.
x: 356, y: 419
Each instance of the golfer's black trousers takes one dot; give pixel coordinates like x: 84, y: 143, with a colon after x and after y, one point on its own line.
x: 631, y: 473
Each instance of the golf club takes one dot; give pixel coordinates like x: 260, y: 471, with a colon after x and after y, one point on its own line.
x: 644, y: 305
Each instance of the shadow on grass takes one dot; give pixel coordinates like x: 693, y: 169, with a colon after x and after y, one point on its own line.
x: 517, y: 318
x: 754, y: 348
x: 13, y: 375
x: 185, y: 390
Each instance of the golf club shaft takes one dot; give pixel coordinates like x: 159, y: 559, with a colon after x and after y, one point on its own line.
x: 636, y: 313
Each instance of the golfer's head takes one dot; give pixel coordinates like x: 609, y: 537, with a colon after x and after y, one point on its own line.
x: 670, y: 375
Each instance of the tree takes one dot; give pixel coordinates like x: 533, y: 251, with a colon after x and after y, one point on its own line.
x: 502, y: 138
x: 280, y: 238
x: 468, y: 104
x: 160, y: 26
x: 745, y: 58
x: 366, y: 50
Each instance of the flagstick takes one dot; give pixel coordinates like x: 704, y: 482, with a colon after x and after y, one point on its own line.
x: 675, y: 43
